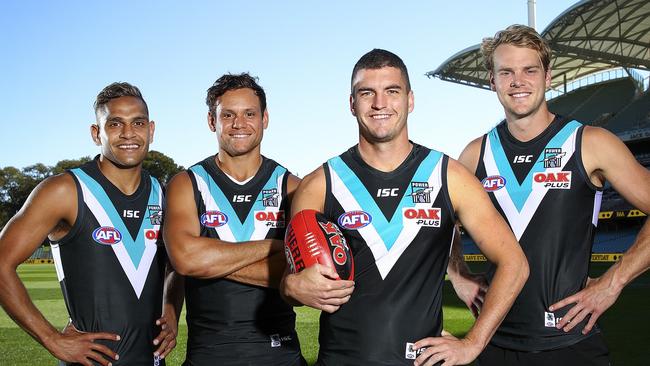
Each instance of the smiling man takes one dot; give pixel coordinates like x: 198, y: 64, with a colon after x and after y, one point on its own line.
x: 225, y: 225
x: 397, y: 203
x: 545, y: 175
x: 103, y: 220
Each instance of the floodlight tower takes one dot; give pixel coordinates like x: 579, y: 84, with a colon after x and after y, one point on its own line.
x: 531, y: 13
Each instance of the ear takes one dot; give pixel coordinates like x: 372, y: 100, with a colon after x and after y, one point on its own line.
x: 411, y: 101
x: 265, y: 118
x: 492, y: 85
x: 94, y: 134
x: 354, y: 113
x: 547, y: 78
x: 212, y: 123
x: 152, y: 129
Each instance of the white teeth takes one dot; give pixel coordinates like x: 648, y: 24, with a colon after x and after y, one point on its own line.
x: 381, y: 116
x: 128, y: 147
x: 239, y: 136
x: 520, y: 95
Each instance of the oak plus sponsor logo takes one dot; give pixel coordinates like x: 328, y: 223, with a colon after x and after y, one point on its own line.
x: 553, y: 157
x: 353, y: 220
x: 272, y: 219
x: 427, y: 217
x: 214, y: 219
x: 155, y: 214
x: 107, y: 235
x: 151, y: 234
x: 553, y: 180
x: 270, y: 197
x: 421, y: 192
x: 493, y: 183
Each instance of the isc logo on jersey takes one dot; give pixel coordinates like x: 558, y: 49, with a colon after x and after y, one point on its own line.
x: 274, y: 220
x: 493, y: 183
x: 428, y: 217
x: 214, y: 219
x: 354, y: 220
x: 553, y: 180
x: 107, y: 235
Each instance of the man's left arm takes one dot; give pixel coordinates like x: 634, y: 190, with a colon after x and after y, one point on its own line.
x: 495, y: 239
x: 605, y: 157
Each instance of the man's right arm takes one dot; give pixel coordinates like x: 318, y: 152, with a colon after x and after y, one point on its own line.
x: 51, y: 204
x: 317, y: 286
x: 201, y: 257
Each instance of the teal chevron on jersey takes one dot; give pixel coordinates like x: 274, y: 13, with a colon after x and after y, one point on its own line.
x: 134, y: 247
x: 519, y: 192
x: 242, y: 231
x: 388, y: 229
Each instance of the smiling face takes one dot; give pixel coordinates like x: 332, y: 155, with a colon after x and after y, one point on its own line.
x: 123, y: 131
x: 381, y: 102
x: 239, y: 122
x: 519, y: 79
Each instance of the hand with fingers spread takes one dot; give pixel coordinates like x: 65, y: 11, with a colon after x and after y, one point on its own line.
x: 597, y: 296
x: 446, y: 349
x: 317, y: 287
x: 74, y: 346
x: 166, y: 339
x: 471, y: 289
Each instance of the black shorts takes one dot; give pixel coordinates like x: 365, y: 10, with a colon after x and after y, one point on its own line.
x: 591, y: 351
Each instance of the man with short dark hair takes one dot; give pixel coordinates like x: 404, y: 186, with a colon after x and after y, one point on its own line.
x: 396, y: 203
x: 103, y: 220
x: 224, y: 231
x: 545, y: 175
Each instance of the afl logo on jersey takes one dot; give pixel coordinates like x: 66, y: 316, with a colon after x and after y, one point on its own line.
x: 107, y: 235
x: 354, y: 220
x: 214, y: 219
x: 493, y: 183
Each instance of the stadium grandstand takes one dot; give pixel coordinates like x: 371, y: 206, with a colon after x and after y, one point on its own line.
x: 600, y: 66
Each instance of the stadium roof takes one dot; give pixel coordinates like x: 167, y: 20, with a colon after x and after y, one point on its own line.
x: 591, y: 36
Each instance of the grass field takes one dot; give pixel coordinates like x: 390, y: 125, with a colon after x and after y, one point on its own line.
x: 626, y: 325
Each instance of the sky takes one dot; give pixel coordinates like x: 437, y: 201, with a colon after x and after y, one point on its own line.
x: 57, y: 55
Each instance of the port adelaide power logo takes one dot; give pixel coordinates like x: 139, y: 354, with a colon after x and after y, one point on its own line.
x: 420, y: 192
x: 270, y: 197
x: 551, y: 179
x: 155, y: 214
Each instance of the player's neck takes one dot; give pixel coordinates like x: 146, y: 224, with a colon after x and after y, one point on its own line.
x: 385, y: 156
x: 240, y: 167
x: 528, y: 127
x: 126, y: 179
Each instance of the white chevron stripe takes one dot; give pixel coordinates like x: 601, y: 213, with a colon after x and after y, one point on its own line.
x: 137, y: 276
x: 520, y: 220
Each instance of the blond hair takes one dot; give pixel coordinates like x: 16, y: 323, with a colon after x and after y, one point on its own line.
x: 516, y: 35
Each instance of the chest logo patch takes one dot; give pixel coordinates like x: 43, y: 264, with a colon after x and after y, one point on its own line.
x: 214, y: 219
x: 493, y: 183
x: 270, y: 218
x: 107, y: 235
x: 353, y: 220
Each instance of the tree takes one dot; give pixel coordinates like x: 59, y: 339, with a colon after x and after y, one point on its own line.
x: 160, y: 166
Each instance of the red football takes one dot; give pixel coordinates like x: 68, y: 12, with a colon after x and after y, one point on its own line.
x: 311, y: 239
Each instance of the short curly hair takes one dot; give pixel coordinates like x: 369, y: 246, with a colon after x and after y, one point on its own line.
x: 229, y: 82
x: 516, y: 35
x: 117, y: 90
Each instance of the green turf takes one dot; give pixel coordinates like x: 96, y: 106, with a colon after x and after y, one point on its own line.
x: 625, y: 325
